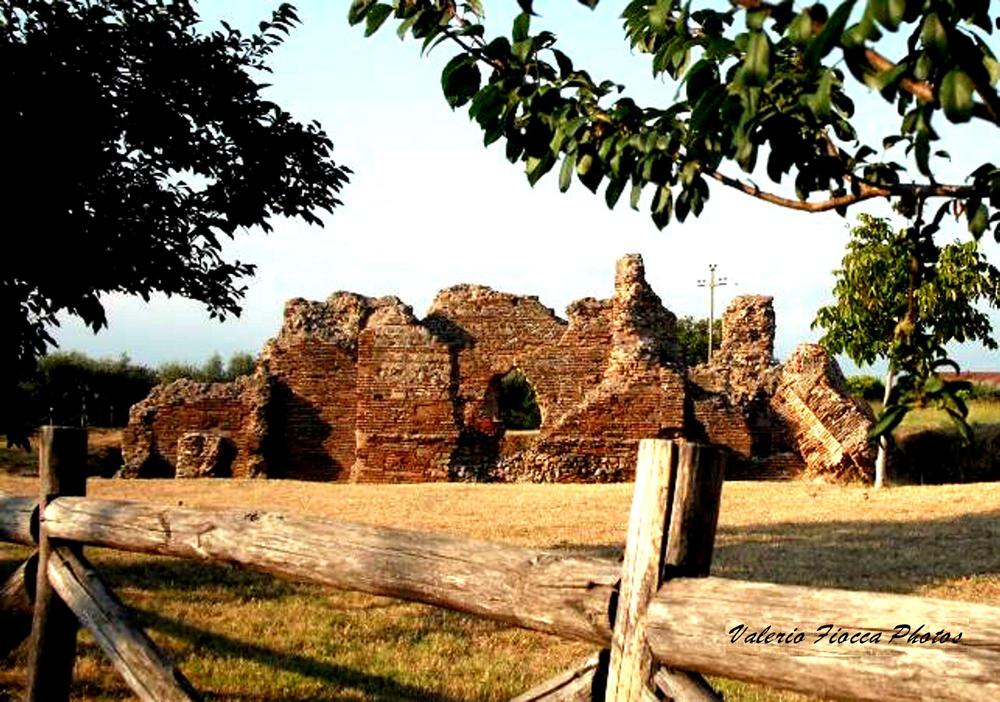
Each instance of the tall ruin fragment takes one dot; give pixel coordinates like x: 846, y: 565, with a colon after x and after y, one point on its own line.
x: 358, y: 388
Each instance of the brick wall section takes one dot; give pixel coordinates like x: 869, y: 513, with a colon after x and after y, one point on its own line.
x: 745, y: 360
x: 406, y: 423
x: 312, y: 364
x: 235, y: 411
x: 640, y: 390
x: 493, y: 332
x: 830, y: 427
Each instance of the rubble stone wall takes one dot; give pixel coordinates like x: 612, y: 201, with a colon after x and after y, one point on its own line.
x: 234, y: 411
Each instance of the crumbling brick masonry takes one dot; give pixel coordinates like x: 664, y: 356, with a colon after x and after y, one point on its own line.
x: 358, y: 388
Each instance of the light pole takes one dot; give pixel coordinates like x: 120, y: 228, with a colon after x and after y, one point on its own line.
x: 712, y: 283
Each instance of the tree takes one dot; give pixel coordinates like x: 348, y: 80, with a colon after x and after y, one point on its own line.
x: 877, y: 315
x: 692, y: 337
x: 211, y: 371
x: 74, y: 389
x: 760, y: 79
x: 240, y: 364
x: 135, y: 142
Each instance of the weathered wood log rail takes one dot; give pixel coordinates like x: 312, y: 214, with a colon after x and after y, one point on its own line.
x: 661, y: 621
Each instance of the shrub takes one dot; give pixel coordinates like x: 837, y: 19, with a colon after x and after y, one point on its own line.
x: 937, y: 456
x: 867, y: 387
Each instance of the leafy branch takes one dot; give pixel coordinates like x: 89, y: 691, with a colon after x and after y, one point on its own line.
x: 771, y: 90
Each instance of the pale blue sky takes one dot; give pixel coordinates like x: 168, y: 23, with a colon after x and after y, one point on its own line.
x: 428, y: 207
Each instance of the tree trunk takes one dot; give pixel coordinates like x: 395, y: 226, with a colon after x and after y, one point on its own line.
x: 883, y: 443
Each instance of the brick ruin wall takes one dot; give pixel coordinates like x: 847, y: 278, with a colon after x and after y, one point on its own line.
x: 357, y: 388
x: 236, y: 412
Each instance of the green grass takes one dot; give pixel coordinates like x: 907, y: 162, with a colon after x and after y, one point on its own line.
x: 981, y: 412
x: 239, y: 635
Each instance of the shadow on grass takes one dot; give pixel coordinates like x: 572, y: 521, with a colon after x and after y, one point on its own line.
x: 899, y: 557
x: 377, y: 687
x: 156, y: 573
x: 888, y: 556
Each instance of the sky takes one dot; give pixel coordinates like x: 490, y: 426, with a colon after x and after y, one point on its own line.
x: 429, y: 207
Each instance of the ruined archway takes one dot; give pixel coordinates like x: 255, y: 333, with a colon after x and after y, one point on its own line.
x: 507, y: 406
x: 516, y: 403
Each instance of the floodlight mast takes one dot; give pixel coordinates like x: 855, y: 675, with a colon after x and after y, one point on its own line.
x: 712, y: 283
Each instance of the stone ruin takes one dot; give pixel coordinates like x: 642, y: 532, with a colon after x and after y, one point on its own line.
x: 359, y: 389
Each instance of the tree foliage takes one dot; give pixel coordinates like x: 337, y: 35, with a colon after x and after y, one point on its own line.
x: 762, y: 84
x: 76, y: 390
x: 692, y: 338
x: 517, y: 402
x: 866, y: 387
x: 135, y: 144
x: 884, y: 309
x: 213, y: 370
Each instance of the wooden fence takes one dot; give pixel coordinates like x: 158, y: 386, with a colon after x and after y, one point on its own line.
x: 658, y: 622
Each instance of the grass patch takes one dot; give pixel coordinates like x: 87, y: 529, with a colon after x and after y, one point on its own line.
x: 244, y: 636
x: 104, y: 455
x: 981, y: 412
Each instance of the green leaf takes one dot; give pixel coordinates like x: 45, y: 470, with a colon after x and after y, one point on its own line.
x: 536, y: 167
x: 757, y: 62
x: 933, y: 35
x: 522, y: 49
x: 993, y: 68
x: 522, y: 25
x: 968, y: 437
x: 566, y: 172
x: 564, y: 63
x: 886, y: 81
x: 830, y: 34
x: 408, y: 23
x: 800, y: 30
x: 634, y: 195
x: 357, y: 11
x: 377, y: 16
x: 662, y: 206
x: 979, y: 220
x: 614, y: 191
x: 460, y: 80
x: 819, y: 102
x: 888, y: 420
x: 955, y: 94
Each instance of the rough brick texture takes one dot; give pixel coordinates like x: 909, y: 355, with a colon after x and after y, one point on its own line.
x: 202, y: 454
x: 236, y: 411
x: 830, y: 427
x: 358, y: 388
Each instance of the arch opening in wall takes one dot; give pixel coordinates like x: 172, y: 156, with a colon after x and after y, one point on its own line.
x: 516, y: 404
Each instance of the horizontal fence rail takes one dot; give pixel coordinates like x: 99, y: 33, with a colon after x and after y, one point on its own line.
x: 690, y: 621
x: 535, y: 589
x: 18, y: 519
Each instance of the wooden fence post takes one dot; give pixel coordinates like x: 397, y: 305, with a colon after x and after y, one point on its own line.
x: 671, y: 532
x: 62, y: 464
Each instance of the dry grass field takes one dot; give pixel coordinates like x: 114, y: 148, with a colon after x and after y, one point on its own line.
x: 243, y: 636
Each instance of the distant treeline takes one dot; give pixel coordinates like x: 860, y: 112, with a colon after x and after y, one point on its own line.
x: 71, y: 388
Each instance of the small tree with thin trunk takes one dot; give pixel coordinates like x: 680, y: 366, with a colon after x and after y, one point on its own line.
x: 884, y: 309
